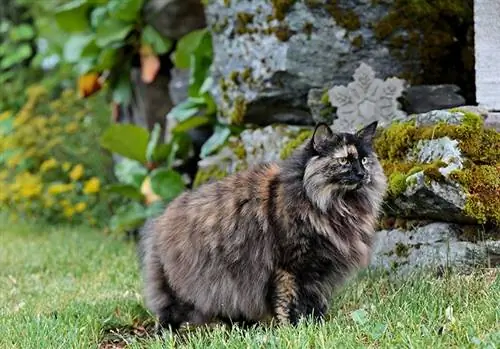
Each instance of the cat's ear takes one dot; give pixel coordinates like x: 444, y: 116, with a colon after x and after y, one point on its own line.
x: 368, y: 132
x: 322, y: 133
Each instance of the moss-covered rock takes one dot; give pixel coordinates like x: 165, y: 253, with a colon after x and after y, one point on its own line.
x: 442, y: 165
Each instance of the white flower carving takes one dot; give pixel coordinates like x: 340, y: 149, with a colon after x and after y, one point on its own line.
x: 366, y: 99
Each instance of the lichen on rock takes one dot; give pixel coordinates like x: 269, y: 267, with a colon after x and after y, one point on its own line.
x: 290, y: 47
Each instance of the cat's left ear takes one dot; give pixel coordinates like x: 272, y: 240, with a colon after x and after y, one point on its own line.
x: 368, y: 132
x: 322, y: 134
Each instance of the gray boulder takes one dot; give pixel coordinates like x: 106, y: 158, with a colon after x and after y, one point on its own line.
x: 435, y: 245
x: 424, y: 98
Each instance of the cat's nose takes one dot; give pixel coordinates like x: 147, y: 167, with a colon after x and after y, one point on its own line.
x: 360, y: 176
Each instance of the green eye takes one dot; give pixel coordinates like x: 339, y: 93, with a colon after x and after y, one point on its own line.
x: 342, y: 161
x: 364, y: 161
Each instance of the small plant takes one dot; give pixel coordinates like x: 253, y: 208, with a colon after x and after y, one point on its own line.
x: 146, y: 176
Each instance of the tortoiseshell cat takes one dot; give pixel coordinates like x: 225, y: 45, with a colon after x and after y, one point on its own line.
x: 272, y: 241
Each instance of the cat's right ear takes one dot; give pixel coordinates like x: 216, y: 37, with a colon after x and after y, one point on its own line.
x: 322, y: 134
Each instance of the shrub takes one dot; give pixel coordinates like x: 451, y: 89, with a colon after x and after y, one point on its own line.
x: 51, y: 164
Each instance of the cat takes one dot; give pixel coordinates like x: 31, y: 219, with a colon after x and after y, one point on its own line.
x: 272, y: 242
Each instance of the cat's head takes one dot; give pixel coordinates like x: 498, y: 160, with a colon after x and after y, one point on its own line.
x: 341, y: 162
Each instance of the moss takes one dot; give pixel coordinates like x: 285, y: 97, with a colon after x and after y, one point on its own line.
x: 347, y: 19
x: 219, y: 26
x: 397, y: 183
x: 227, y: 3
x: 312, y: 4
x: 281, y: 8
x: 483, y: 185
x: 208, y: 174
x: 358, y: 41
x: 402, y: 250
x: 239, y: 110
x: 437, y: 34
x: 223, y: 85
x: 283, y: 32
x: 243, y: 19
x: 233, y: 76
x: 246, y: 75
x: 239, y: 151
x: 308, y: 29
x: 290, y: 146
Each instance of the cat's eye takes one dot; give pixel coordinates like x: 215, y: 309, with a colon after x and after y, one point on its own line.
x: 342, y: 161
x: 364, y: 161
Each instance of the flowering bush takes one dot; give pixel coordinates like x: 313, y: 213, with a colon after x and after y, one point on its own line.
x: 51, y: 165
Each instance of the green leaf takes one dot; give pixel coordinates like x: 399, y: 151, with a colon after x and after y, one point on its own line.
x: 167, y: 183
x: 84, y: 65
x: 191, y: 123
x: 156, y: 208
x: 75, y: 46
x: 189, y: 44
x: 23, y: 52
x: 107, y: 59
x: 4, y: 26
x: 122, y: 92
x: 160, y: 44
x: 198, y: 72
x: 112, y: 30
x: 153, y: 142
x: 207, y: 85
x: 126, y: 190
x: 186, y: 109
x: 72, y: 17
x: 360, y: 316
x: 216, y: 140
x: 125, y: 10
x: 126, y: 140
x: 97, y: 16
x: 128, y: 217
x: 21, y: 32
x: 130, y: 172
x: 377, y: 331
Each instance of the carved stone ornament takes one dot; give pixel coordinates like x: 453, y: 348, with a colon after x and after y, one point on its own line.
x: 366, y: 99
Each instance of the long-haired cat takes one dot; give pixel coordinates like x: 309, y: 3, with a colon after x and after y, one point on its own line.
x: 272, y: 241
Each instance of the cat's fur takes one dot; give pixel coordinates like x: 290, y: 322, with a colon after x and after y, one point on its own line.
x: 272, y: 241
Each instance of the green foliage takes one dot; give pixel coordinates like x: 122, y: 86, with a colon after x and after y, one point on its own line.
x: 146, y: 177
x: 15, y: 47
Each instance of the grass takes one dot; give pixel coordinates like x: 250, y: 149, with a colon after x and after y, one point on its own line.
x: 78, y: 288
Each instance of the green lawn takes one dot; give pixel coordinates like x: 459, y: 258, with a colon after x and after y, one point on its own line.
x: 78, y: 288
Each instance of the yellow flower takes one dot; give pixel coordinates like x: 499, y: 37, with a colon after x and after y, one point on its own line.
x: 72, y: 127
x: 66, y: 166
x: 5, y: 115
x: 76, y: 173
x: 48, y: 165
x: 59, y: 188
x: 28, y: 185
x: 69, y: 211
x: 80, y: 207
x: 92, y: 186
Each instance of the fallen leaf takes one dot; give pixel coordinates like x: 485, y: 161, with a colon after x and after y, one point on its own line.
x: 88, y: 84
x: 150, y: 64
